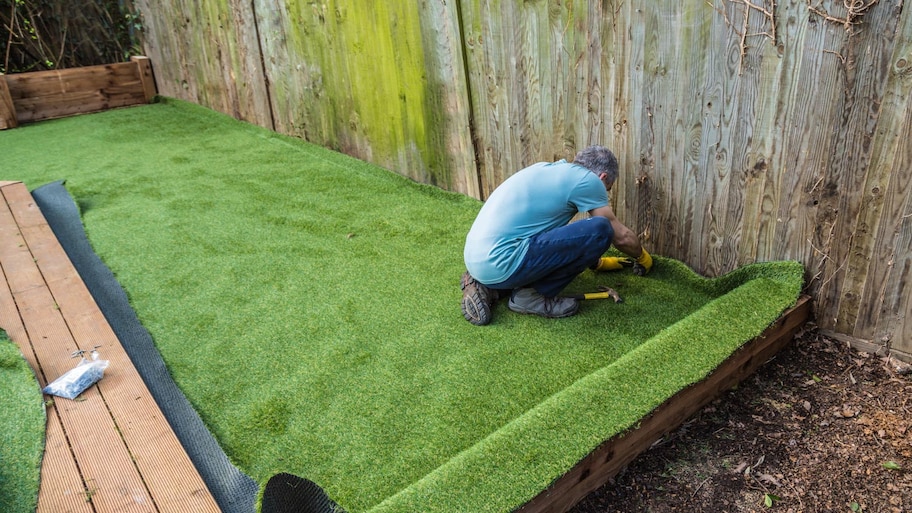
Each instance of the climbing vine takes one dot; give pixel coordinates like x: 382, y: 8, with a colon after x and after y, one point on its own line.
x: 766, y: 8
x: 855, y: 10
x: 852, y: 17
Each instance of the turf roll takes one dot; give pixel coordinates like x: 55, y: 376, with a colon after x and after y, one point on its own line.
x: 288, y: 493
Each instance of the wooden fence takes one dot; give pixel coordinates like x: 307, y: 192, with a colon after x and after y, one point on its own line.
x: 747, y: 130
x: 26, y: 97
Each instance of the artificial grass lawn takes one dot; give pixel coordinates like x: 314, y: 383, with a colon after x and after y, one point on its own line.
x: 22, y: 422
x: 307, y: 303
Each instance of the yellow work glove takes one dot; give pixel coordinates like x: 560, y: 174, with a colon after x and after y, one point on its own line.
x: 613, y: 263
x: 643, y: 264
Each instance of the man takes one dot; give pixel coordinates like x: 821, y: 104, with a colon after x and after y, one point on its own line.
x: 521, y: 243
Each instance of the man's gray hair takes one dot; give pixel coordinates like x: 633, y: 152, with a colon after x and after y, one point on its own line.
x: 598, y: 159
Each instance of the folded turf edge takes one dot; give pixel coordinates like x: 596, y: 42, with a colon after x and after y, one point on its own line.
x: 528, y: 454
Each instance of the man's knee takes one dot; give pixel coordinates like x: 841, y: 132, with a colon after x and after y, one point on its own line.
x: 602, y: 227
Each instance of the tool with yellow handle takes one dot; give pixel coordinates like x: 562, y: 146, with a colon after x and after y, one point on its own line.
x: 603, y: 293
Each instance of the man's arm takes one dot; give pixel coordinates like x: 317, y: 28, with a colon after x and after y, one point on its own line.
x: 624, y: 238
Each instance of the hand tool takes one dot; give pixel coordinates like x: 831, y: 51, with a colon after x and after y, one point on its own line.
x: 604, y: 292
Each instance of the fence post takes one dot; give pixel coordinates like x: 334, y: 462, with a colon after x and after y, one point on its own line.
x: 144, y: 64
x: 7, y: 109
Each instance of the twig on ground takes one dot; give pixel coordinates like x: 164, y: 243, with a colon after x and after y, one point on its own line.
x: 701, y: 486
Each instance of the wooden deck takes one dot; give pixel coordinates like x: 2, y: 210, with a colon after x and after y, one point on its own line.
x: 110, y: 450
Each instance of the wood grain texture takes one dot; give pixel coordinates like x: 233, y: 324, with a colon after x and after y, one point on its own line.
x: 58, y: 93
x: 146, y: 78
x: 208, y: 53
x: 540, y: 86
x: 873, y: 212
x: 111, y: 449
x: 7, y: 110
x: 849, y: 193
x: 453, y: 166
x: 61, y: 486
x: 884, y: 303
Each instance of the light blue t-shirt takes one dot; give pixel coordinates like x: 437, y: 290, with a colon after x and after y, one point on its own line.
x: 538, y: 198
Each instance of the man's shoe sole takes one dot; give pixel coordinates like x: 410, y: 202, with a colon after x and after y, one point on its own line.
x: 477, y: 301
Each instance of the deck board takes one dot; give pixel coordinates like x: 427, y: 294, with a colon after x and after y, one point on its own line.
x: 111, y: 449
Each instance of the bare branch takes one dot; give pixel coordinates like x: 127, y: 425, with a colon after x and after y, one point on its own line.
x: 855, y: 10
x: 768, y: 13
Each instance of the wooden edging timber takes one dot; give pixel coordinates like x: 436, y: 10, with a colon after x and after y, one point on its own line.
x: 613, y: 455
x: 35, y: 96
x: 7, y: 110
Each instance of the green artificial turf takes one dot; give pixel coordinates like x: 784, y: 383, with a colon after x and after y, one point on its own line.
x: 22, y: 421
x: 307, y: 303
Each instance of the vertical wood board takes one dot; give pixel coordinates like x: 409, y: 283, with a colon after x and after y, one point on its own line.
x: 383, y: 82
x: 7, y: 110
x: 207, y: 52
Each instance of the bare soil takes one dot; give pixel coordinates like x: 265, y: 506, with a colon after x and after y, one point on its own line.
x: 820, y: 428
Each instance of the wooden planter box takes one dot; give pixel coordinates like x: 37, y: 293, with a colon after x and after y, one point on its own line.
x: 26, y: 97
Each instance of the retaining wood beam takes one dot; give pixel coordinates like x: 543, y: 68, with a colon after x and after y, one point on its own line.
x: 27, y: 97
x: 613, y: 455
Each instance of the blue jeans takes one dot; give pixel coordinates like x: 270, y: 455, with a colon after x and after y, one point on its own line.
x: 558, y: 256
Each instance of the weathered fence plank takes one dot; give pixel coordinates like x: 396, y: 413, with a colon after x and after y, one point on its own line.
x: 538, y: 80
x: 208, y: 52
x: 381, y: 81
x: 447, y: 78
x: 885, y: 216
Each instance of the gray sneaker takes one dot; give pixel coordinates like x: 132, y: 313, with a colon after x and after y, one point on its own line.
x: 528, y: 301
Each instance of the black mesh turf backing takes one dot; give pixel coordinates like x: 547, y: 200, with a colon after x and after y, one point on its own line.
x: 287, y: 493
x: 233, y: 491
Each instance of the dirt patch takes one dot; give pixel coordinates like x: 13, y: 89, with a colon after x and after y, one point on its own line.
x: 821, y: 427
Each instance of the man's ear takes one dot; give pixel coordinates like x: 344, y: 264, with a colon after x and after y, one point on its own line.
x: 602, y: 176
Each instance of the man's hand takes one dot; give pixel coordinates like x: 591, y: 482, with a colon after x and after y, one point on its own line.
x: 643, y: 264
x: 614, y: 263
